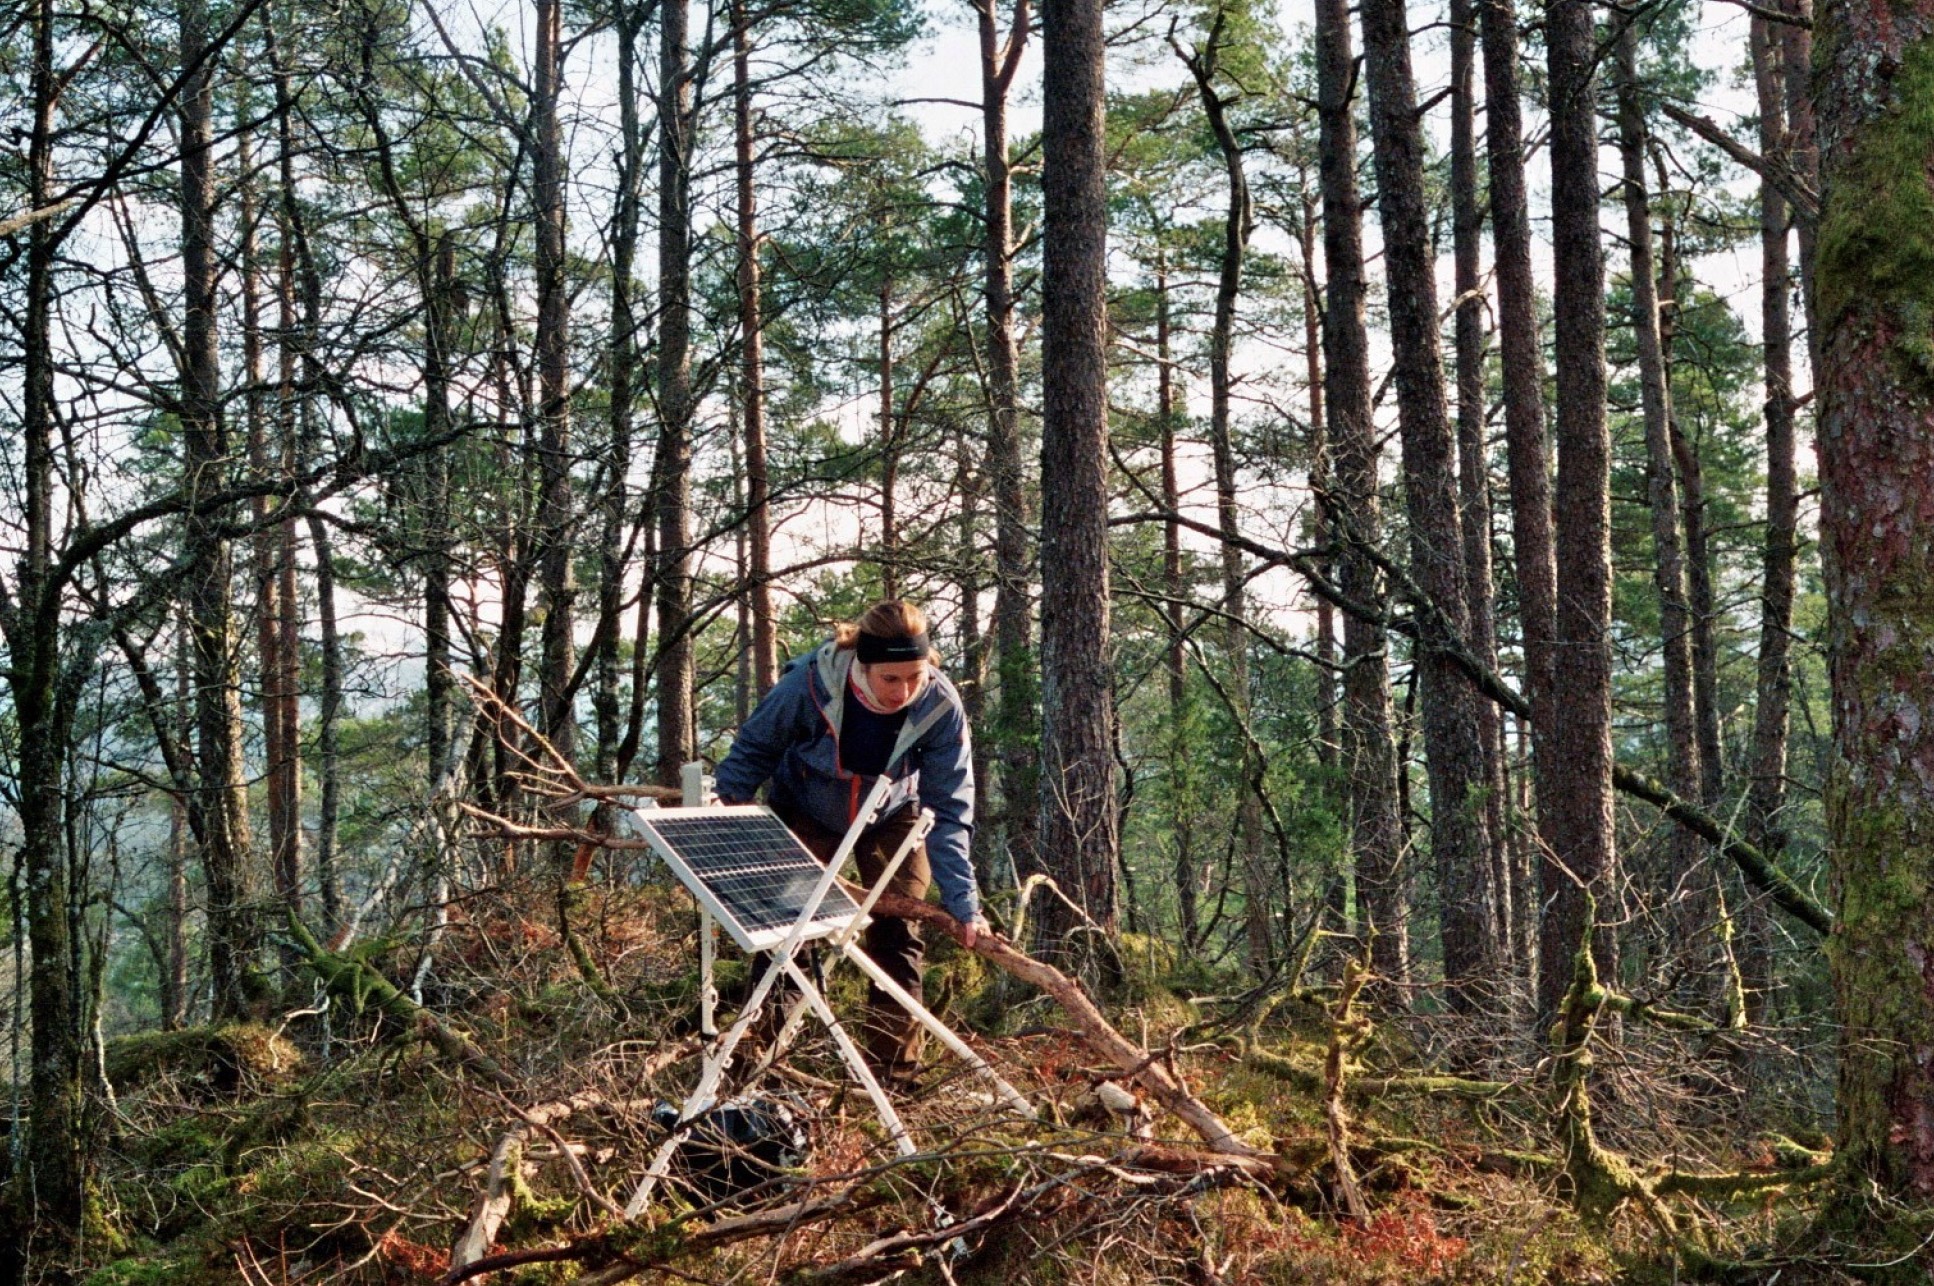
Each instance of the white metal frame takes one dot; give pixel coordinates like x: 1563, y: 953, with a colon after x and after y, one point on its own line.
x: 784, y: 947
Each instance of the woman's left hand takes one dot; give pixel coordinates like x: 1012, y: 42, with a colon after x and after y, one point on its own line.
x: 971, y: 931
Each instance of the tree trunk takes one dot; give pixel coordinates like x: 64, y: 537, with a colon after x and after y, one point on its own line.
x: 677, y: 735
x: 1017, y: 721
x: 1460, y: 845
x: 557, y: 582
x: 1079, y: 845
x: 1337, y: 887
x: 45, y: 1201
x: 283, y: 767
x: 1766, y: 796
x: 1668, y: 573
x: 1527, y: 465
x: 174, y: 985
x: 233, y: 936
x: 1238, y: 223
x: 329, y: 707
x: 1802, y: 150
x: 1702, y: 612
x: 624, y: 370
x: 439, y: 326
x: 1188, y: 878
x: 889, y: 454
x: 1473, y: 455
x: 758, y: 478
x: 969, y: 484
x: 295, y: 348
x: 1876, y: 440
x: 1580, y: 781
x: 1369, y: 756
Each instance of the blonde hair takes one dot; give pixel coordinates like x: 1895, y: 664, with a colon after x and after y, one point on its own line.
x: 886, y: 619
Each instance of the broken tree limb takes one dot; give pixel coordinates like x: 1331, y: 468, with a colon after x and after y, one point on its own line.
x: 1095, y: 1031
x: 620, y: 1252
x: 504, y: 1177
x: 28, y: 218
x: 1348, y: 1031
x: 1804, y: 200
x: 360, y: 983
x: 1759, y: 869
x: 1427, y: 628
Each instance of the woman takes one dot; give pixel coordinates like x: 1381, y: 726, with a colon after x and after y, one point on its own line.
x: 872, y: 702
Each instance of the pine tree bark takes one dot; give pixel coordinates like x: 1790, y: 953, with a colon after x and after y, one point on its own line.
x: 889, y: 453
x: 1702, y: 612
x: 439, y: 277
x: 623, y: 360
x: 1079, y: 844
x: 234, y: 937
x: 1766, y: 796
x: 1668, y: 573
x: 1473, y: 454
x: 174, y: 985
x: 1527, y: 461
x: 1369, y: 756
x: 1875, y: 76
x: 758, y: 475
x: 1579, y: 783
x: 1017, y: 720
x: 1802, y: 148
x: 298, y: 322
x: 557, y: 581
x: 1187, y: 876
x: 266, y: 550
x: 673, y: 576
x: 1460, y: 844
x: 45, y: 1200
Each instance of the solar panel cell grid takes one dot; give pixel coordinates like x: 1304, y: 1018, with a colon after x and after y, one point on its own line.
x: 752, y: 865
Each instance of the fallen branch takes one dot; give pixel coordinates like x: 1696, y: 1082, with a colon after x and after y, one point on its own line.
x: 621, y: 1251
x: 504, y: 1177
x: 360, y: 983
x: 902, y: 1251
x: 1348, y: 1031
x: 1095, y: 1031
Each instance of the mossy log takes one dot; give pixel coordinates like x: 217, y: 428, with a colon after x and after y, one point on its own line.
x: 225, y: 1059
x: 362, y: 984
x: 1371, y: 1088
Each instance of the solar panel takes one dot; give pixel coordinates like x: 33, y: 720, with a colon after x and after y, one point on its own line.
x: 747, y: 869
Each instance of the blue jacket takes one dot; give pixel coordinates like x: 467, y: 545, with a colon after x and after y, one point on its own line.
x: 792, y: 740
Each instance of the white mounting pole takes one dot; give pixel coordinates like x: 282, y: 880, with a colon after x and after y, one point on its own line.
x: 691, y: 778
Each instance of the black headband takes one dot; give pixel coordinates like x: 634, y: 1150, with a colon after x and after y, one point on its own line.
x: 874, y: 648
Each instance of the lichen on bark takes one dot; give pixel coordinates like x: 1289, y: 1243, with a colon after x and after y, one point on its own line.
x: 1875, y: 280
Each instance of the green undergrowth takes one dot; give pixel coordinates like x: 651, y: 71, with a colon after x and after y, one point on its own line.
x: 360, y: 1160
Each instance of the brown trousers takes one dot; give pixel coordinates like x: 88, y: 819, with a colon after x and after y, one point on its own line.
x: 893, y: 1037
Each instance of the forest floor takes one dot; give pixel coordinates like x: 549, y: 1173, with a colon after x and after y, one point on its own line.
x: 362, y: 1150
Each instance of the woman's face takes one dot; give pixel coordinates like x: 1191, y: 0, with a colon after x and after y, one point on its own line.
x: 894, y: 683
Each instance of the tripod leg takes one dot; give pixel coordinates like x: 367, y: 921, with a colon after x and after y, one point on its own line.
x: 939, y: 1030
x: 855, y: 1062
x: 711, y: 1073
